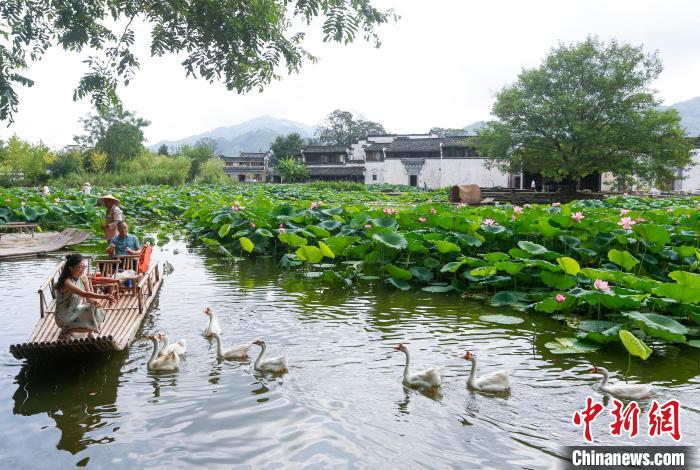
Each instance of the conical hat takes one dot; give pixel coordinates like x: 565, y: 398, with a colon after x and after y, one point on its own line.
x: 101, y: 200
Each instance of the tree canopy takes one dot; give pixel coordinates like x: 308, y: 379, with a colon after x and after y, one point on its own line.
x: 286, y: 146
x: 242, y: 43
x: 114, y: 131
x: 587, y: 108
x: 342, y: 128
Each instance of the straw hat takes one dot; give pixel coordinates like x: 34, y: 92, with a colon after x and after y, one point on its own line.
x: 101, y: 200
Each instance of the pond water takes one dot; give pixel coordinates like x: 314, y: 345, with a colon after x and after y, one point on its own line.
x: 342, y: 402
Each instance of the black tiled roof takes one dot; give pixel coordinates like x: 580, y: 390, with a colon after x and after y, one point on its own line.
x: 375, y: 147
x: 425, y: 145
x: 245, y: 156
x: 325, y: 149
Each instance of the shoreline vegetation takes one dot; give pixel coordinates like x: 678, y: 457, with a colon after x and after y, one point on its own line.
x: 621, y: 270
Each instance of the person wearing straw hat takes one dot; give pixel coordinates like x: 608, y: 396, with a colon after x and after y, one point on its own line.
x: 113, y: 216
x: 87, y: 189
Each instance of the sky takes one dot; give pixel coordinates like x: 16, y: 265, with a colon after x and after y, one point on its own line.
x: 439, y: 65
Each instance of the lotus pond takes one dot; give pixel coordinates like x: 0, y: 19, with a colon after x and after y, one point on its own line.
x: 336, y: 279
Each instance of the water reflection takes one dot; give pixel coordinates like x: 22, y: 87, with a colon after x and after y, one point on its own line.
x: 79, y: 395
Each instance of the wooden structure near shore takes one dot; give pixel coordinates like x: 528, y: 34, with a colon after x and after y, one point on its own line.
x: 21, y: 246
x: 122, y: 320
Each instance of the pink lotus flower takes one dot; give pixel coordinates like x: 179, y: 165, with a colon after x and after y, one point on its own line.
x: 252, y: 225
x: 601, y: 285
x: 489, y: 222
x: 315, y: 204
x: 624, y: 212
x: 390, y: 211
x: 8, y: 200
x: 512, y: 218
x: 57, y: 200
x: 670, y: 209
x: 517, y: 209
x: 235, y: 208
x: 368, y: 227
x: 281, y: 229
x: 422, y: 220
x: 639, y: 220
x: 556, y: 204
x: 577, y: 217
x: 626, y: 223
x: 433, y: 211
x: 430, y: 201
x: 560, y: 298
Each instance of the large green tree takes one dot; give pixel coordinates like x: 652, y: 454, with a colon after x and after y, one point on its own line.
x: 292, y: 170
x: 342, y: 128
x: 286, y: 146
x: 114, y: 131
x: 243, y: 43
x: 589, y: 107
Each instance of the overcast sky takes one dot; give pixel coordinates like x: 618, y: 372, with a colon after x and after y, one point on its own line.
x: 439, y: 65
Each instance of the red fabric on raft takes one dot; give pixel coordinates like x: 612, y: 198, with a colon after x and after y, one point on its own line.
x: 145, y: 258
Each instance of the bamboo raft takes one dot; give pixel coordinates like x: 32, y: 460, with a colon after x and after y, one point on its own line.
x: 40, y: 243
x: 122, y: 321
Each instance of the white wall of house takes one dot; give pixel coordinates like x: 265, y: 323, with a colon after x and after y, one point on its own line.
x: 691, y: 175
x: 454, y: 171
x: 372, y: 170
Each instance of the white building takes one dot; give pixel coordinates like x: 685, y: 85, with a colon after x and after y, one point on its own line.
x: 436, y: 162
x: 689, y: 178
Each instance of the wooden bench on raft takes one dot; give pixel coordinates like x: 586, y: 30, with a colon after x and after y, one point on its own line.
x: 122, y: 320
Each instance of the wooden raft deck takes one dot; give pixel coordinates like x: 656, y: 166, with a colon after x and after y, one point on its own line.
x: 13, y: 246
x: 121, y: 322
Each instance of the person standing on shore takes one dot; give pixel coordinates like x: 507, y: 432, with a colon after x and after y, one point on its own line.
x: 113, y: 215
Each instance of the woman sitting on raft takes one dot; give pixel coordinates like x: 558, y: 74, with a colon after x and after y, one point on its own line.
x: 76, y: 318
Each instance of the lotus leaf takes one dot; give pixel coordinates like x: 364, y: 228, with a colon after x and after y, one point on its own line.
x: 623, y: 259
x: 570, y: 346
x: 658, y: 326
x: 501, y: 319
x: 634, y: 345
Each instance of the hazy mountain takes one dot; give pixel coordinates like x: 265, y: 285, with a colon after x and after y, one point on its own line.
x: 690, y: 115
x: 473, y: 127
x: 249, y: 136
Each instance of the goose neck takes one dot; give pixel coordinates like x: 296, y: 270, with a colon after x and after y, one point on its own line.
x: 604, y: 381
x: 472, y: 373
x: 258, y: 361
x: 155, y: 351
x: 219, y: 349
x: 406, y: 370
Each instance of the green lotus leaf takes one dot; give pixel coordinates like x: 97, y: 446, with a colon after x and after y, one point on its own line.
x: 422, y: 274
x: 483, y: 272
x: 264, y: 232
x: 634, y: 345
x: 656, y: 234
x: 447, y: 247
x: 658, y: 326
x: 437, y: 289
x: 326, y: 250
x: 246, y: 244
x: 391, y: 239
x: 451, y: 267
x: 292, y: 239
x: 318, y: 231
x: 399, y: 284
x: 398, y: 273
x: 569, y: 265
x: 330, y: 225
x: 506, y: 297
x: 509, y: 267
x: 311, y: 254
x: 558, y: 281
x: 570, y: 346
x: 501, y: 319
x: 532, y: 248
x: 384, y: 222
x: 623, y: 259
x: 495, y: 256
x: 224, y: 230
x: 686, y: 278
x: 678, y: 292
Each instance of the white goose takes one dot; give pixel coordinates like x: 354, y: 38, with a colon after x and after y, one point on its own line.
x: 239, y: 351
x: 498, y: 381
x: 169, y: 362
x: 424, y: 379
x: 627, y: 391
x: 273, y: 364
x: 179, y: 347
x: 213, y: 326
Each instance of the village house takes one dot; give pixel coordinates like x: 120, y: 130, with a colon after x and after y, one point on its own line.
x: 248, y: 167
x: 332, y: 163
